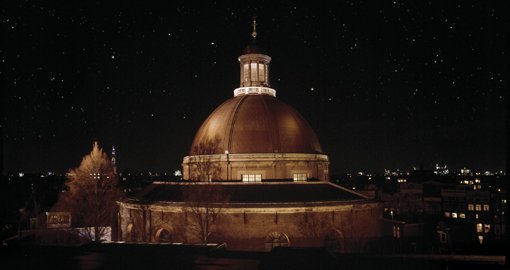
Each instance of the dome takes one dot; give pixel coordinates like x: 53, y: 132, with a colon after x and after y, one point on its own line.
x: 255, y: 124
x: 255, y: 137
x: 253, y: 48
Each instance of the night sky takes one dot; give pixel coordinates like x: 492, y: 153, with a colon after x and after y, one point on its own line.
x: 384, y: 85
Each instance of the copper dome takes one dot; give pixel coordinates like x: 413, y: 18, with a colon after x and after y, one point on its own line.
x: 255, y: 124
x: 253, y: 47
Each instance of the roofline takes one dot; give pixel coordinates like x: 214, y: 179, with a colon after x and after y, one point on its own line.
x: 349, y: 190
x: 188, y: 182
x: 250, y: 207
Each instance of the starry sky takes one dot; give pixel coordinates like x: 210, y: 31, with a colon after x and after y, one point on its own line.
x: 389, y: 85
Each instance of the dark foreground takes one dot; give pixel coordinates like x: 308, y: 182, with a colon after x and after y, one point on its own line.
x: 155, y: 256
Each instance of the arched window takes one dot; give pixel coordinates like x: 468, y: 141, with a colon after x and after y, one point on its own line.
x: 276, y: 239
x: 163, y: 235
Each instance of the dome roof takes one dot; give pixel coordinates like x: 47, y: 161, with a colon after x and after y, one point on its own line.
x: 252, y: 48
x: 255, y: 124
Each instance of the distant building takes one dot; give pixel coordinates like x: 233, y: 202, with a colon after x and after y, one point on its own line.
x: 448, y: 207
x: 441, y: 170
x: 455, y: 236
x: 403, y: 236
x: 484, y: 210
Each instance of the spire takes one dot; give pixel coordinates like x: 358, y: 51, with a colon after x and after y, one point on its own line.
x: 114, y: 160
x: 254, y: 33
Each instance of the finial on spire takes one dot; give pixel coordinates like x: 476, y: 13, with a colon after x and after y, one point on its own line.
x: 254, y: 33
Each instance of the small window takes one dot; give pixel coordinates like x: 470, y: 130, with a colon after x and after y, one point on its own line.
x: 163, y: 235
x: 446, y: 214
x: 478, y: 207
x: 486, y: 207
x: 251, y: 177
x: 276, y: 239
x: 479, y: 227
x: 396, y: 231
x: 486, y: 228
x: 471, y: 207
x: 300, y: 177
x: 454, y: 215
x: 462, y: 215
x: 443, y: 237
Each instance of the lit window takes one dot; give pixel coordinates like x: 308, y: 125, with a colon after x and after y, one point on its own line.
x: 447, y: 214
x: 486, y: 228
x: 396, y: 231
x: 253, y: 69
x: 471, y: 207
x: 454, y: 215
x: 300, y: 177
x: 261, y: 72
x: 479, y: 227
x: 485, y: 207
x: 462, y: 215
x: 251, y: 177
x: 246, y: 72
x: 477, y: 216
x: 478, y: 207
x: 480, y: 238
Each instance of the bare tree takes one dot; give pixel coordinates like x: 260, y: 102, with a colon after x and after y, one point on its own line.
x: 92, y: 193
x: 204, y: 169
x: 315, y: 225
x: 203, y: 205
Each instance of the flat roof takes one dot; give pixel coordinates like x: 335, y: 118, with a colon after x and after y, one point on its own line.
x: 238, y: 192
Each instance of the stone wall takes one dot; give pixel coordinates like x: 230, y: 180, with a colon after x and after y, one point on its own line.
x: 354, y: 227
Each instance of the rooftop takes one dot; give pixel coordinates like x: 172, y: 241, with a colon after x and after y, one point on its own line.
x: 246, y: 193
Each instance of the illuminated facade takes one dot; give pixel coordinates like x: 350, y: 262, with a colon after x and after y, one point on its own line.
x: 257, y: 175
x: 254, y: 136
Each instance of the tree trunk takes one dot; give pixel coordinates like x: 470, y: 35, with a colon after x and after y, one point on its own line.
x: 96, y: 234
